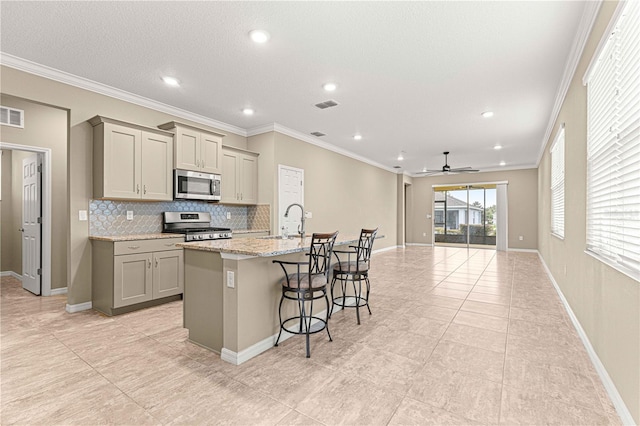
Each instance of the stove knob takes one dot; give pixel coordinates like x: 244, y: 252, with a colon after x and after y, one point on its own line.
x: 199, y: 237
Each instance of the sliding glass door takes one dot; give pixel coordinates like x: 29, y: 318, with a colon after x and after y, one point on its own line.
x: 465, y: 215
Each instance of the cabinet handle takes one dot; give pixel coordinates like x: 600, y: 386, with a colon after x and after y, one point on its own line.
x: 156, y: 262
x: 197, y: 163
x: 241, y: 196
x: 149, y: 265
x: 134, y: 247
x: 137, y: 188
x: 145, y: 189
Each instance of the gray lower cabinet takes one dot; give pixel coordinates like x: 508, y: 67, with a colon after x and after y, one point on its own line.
x: 128, y: 275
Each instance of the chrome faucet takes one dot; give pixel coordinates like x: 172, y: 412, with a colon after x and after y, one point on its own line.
x: 301, y: 226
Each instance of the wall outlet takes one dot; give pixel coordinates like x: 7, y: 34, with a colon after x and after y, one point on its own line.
x: 308, y: 215
x: 520, y: 237
x: 82, y: 215
x: 228, y: 215
x: 129, y: 215
x: 231, y: 279
x: 428, y: 216
x: 424, y: 234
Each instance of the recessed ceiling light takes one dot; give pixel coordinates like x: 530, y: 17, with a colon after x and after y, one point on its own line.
x: 400, y: 157
x: 487, y: 114
x: 330, y: 87
x: 502, y: 163
x: 357, y: 137
x: 248, y: 111
x: 171, y: 81
x: 498, y: 146
x: 259, y: 36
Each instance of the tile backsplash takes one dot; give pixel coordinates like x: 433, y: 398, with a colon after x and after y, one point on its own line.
x: 107, y: 218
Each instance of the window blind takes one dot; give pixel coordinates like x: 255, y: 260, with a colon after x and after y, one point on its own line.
x: 613, y: 147
x: 557, y: 185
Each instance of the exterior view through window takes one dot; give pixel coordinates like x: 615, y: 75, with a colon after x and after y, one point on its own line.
x: 465, y: 215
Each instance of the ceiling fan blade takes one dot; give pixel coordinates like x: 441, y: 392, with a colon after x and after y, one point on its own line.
x: 428, y: 172
x: 464, y: 170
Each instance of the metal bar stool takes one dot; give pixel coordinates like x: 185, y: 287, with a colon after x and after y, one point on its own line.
x: 354, y: 270
x: 305, y: 286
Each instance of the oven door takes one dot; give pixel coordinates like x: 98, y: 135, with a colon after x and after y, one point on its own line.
x: 189, y: 185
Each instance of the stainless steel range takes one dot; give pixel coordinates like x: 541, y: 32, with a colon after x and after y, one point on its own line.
x: 196, y: 226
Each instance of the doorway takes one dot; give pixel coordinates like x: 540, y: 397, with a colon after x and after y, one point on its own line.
x: 465, y: 215
x: 290, y: 191
x: 44, y: 155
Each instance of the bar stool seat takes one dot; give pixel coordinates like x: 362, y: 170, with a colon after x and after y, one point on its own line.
x: 307, y: 284
x: 355, y: 270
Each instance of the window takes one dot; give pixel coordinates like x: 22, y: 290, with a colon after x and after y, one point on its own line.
x: 557, y: 184
x: 613, y: 145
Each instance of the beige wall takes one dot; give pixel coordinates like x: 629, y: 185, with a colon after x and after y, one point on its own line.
x: 9, y: 235
x: 522, y: 204
x: 44, y: 127
x: 606, y: 302
x: 75, y: 256
x: 342, y: 193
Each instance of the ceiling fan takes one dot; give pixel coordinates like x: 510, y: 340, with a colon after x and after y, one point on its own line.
x: 446, y: 169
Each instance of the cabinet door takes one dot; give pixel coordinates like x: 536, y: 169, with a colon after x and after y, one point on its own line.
x: 248, y: 179
x: 122, y: 160
x: 132, y: 279
x: 157, y: 173
x: 210, y: 153
x: 168, y: 273
x: 229, y: 189
x: 187, y: 149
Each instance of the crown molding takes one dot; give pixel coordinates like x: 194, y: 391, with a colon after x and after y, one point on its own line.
x: 102, y: 89
x: 489, y: 170
x: 275, y: 127
x: 589, y: 16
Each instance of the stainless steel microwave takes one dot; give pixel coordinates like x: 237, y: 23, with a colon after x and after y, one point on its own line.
x: 190, y: 185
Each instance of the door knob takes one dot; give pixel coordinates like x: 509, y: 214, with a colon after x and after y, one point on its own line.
x: 21, y: 229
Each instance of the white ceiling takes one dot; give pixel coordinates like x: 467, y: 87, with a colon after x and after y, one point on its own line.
x: 411, y: 76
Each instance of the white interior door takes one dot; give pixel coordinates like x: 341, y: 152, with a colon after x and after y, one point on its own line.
x: 31, y: 224
x: 290, y: 190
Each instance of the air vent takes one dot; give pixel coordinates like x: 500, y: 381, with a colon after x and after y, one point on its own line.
x: 11, y: 117
x: 397, y: 167
x: 327, y: 104
x: 318, y: 134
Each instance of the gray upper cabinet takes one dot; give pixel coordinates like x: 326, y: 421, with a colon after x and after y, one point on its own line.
x: 131, y: 161
x: 239, y: 176
x: 196, y: 149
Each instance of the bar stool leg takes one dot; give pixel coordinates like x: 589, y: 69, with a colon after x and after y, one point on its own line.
x: 366, y: 280
x: 328, y: 316
x: 307, y: 324
x: 333, y: 282
x: 280, y: 319
x: 356, y: 295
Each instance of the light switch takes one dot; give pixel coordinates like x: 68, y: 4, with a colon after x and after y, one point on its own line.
x: 82, y: 215
x: 231, y: 279
x: 228, y: 215
x: 129, y: 215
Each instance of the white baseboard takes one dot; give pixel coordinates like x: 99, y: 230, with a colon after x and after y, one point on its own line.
x: 237, y: 358
x: 386, y: 249
x: 11, y: 274
x: 419, y: 244
x: 79, y: 307
x: 616, y: 399
x: 58, y: 291
x: 523, y: 250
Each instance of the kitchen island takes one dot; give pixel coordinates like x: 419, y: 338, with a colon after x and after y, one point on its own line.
x: 232, y: 292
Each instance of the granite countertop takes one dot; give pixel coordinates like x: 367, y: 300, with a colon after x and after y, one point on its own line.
x: 250, y: 231
x: 115, y: 238
x: 262, y: 247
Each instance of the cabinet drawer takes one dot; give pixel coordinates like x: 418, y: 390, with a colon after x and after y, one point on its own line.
x: 145, y: 246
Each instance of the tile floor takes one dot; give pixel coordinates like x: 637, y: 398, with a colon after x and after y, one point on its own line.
x: 456, y: 337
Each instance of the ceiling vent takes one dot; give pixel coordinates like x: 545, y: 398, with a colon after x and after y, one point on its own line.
x: 11, y: 117
x: 397, y: 167
x: 327, y: 104
x: 317, y: 134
